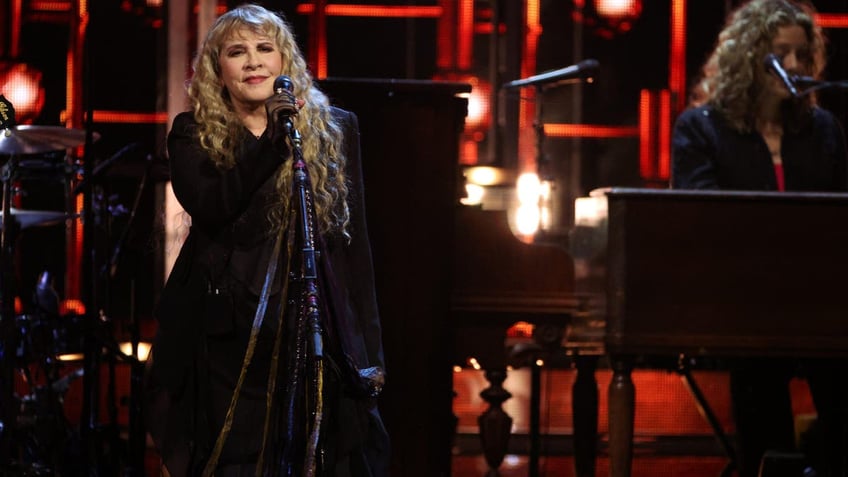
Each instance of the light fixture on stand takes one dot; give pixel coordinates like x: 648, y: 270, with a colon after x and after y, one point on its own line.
x: 534, y: 214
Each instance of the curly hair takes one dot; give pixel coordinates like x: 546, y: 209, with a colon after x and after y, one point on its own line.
x: 221, y: 131
x: 732, y: 78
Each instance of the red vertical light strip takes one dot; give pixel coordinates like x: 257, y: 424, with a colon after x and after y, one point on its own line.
x: 465, y: 34
x: 74, y: 264
x: 534, y: 29
x: 317, y: 37
x: 446, y: 34
x: 527, y: 111
x: 677, y: 55
x: 664, y: 142
x: 15, y: 27
x: 75, y: 118
x: 646, y: 133
x: 321, y: 32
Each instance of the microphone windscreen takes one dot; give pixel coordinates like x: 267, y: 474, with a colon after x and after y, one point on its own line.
x: 283, y: 83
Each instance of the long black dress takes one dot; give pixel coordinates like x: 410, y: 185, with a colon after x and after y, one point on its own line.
x: 206, y: 312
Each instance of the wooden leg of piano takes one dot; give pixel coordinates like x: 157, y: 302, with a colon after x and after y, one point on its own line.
x: 495, y: 423
x: 584, y: 405
x: 621, y: 413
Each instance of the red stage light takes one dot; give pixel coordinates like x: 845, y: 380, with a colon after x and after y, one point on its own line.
x: 21, y: 85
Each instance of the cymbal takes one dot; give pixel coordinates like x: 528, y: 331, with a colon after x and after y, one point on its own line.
x: 28, y: 139
x: 32, y: 218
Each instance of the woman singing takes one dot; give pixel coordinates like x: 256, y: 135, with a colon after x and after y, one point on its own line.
x: 237, y: 385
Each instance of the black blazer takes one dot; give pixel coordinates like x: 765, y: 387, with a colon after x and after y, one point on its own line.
x: 708, y: 154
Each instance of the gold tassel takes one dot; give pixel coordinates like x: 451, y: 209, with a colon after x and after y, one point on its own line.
x: 209, y: 469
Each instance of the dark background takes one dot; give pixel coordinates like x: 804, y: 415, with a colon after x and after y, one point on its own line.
x: 126, y: 52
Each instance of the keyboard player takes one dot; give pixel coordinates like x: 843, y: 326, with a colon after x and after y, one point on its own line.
x: 750, y: 128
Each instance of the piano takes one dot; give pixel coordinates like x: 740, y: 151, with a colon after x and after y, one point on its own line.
x: 450, y: 279
x: 659, y: 273
x: 499, y: 281
x: 409, y: 132
x: 709, y: 274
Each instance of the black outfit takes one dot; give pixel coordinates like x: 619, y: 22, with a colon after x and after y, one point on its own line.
x: 709, y: 154
x: 206, y: 312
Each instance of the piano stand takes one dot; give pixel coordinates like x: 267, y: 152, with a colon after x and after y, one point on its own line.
x: 535, y: 418
x: 684, y: 370
x: 621, y: 410
x: 621, y: 395
x: 584, y: 398
x: 495, y: 424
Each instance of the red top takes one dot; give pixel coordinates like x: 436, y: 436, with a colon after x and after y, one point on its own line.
x: 778, y: 173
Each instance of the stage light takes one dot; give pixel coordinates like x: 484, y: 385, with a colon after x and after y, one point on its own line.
x: 478, y: 103
x: 21, y: 85
x: 143, y: 349
x: 619, y: 9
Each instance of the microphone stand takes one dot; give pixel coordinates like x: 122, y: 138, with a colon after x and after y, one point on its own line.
x: 90, y: 449
x: 135, y: 464
x: 8, y: 331
x: 308, y: 309
x: 809, y: 85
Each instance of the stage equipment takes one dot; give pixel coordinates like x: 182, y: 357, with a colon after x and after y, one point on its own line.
x: 34, y: 431
x: 26, y: 139
x: 33, y: 218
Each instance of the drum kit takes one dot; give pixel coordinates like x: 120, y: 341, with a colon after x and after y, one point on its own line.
x: 36, y: 437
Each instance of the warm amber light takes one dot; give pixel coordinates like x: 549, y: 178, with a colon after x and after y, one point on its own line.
x: 71, y: 357
x: 478, y: 104
x: 617, y: 9
x: 143, y: 349
x: 520, y: 329
x: 486, y: 175
x: 72, y: 306
x: 473, y: 195
x: 589, y: 130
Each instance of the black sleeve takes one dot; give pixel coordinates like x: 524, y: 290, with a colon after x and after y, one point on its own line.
x: 213, y: 196
x: 693, y: 151
x: 362, y: 286
x: 839, y: 156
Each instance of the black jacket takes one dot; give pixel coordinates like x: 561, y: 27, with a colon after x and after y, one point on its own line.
x: 207, y: 307
x: 708, y: 154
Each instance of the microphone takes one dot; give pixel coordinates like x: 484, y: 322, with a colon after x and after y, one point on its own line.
x: 282, y: 83
x: 773, y: 65
x: 583, y: 70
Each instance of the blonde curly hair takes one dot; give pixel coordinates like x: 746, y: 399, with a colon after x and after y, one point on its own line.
x: 732, y: 78
x: 220, y: 130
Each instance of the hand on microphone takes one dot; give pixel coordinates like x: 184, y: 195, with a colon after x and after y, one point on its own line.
x: 280, y: 108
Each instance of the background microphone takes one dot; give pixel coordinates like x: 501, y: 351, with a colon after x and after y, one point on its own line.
x: 773, y: 65
x: 583, y: 70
